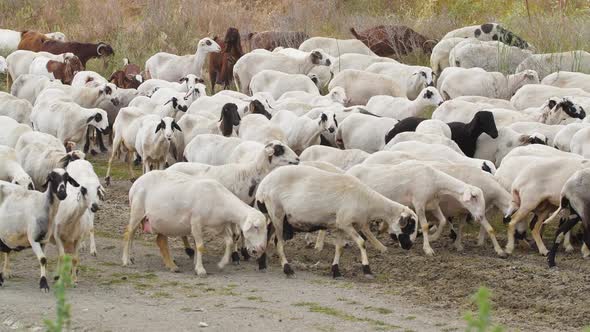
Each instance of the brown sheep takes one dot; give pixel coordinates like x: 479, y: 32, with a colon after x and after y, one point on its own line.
x: 31, y: 40
x: 129, y: 77
x: 84, y: 51
x: 396, y: 40
x: 221, y: 64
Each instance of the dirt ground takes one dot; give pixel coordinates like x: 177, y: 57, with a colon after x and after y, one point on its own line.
x: 411, y: 292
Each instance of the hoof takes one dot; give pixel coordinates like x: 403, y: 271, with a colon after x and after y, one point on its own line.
x: 93, y: 253
x: 107, y: 181
x: 93, y: 152
x: 369, y: 276
x: 1, y: 279
x: 131, y: 260
x: 429, y: 252
x: 201, y: 274
x: 288, y: 271
x: 367, y: 272
x: 502, y: 255
x: 190, y: 252
x: 245, y: 254
x: 103, y: 149
x: 262, y: 270
x: 262, y: 262
x: 235, y: 258
x: 43, y: 285
x: 569, y: 249
x: 175, y: 269
x: 336, y: 272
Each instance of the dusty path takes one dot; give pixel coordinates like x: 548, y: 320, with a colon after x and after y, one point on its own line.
x: 411, y: 291
x: 145, y: 297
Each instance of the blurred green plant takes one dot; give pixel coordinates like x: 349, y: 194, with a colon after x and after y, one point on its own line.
x: 63, y: 308
x: 482, y: 321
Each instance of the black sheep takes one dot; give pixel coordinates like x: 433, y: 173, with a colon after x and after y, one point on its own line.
x: 407, y: 124
x: 466, y: 134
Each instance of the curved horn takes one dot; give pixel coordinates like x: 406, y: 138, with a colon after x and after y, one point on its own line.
x: 101, y: 44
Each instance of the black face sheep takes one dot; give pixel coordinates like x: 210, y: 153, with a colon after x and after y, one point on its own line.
x: 466, y: 134
x: 407, y: 124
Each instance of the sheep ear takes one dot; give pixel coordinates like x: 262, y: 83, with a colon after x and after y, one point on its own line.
x: 176, y: 126
x: 269, y: 149
x: 72, y: 181
x: 184, y: 79
x: 83, y: 190
x: 161, y: 125
x: 466, y: 197
x: 247, y: 225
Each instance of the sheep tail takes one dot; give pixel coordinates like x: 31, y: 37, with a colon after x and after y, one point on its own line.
x: 125, y: 61
x: 561, y: 210
x: 354, y: 33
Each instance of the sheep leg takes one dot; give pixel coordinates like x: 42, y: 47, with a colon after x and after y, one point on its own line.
x: 361, y: 244
x: 563, y: 228
x: 115, y: 147
x: 198, y: 236
x: 75, y: 262
x: 188, y: 249
x: 442, y: 220
x: 229, y: 242
x: 481, y: 236
x: 585, y: 251
x: 38, y: 250
x: 490, y: 230
x: 537, y: 233
x: 281, y: 251
x: 459, y: 234
x: 372, y: 239
x: 516, y: 218
x: 92, y: 242
x: 135, y: 219
x: 130, y: 166
x: 100, y: 141
x: 424, y: 226
x: 162, y: 242
x: 338, y: 245
x: 567, y: 238
x: 60, y: 251
x: 319, y: 242
x: 6, y: 268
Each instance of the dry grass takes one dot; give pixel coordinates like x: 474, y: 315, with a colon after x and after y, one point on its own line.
x: 139, y: 28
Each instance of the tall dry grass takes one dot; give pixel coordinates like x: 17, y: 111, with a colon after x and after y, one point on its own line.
x: 139, y: 28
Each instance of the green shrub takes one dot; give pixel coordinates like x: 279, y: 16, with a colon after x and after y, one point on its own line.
x: 482, y: 322
x: 63, y: 308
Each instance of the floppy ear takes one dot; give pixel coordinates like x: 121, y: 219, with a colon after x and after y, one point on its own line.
x: 184, y: 79
x: 71, y: 180
x: 83, y: 190
x: 269, y: 149
x: 90, y: 119
x: 466, y: 197
x: 176, y: 126
x: 160, y: 125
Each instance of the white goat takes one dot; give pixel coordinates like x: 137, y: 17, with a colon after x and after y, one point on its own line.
x: 410, y: 79
x: 153, y: 140
x: 400, y: 107
x: 302, y: 132
x: 474, y: 82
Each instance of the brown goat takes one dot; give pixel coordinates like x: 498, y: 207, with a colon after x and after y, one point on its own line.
x: 270, y: 40
x: 31, y: 40
x: 221, y: 65
x: 397, y: 40
x: 126, y: 77
x: 84, y: 51
x: 65, y: 71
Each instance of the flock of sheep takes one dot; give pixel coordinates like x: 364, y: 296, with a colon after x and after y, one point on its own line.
x: 277, y: 158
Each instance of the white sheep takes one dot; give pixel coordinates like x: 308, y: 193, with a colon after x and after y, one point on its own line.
x: 434, y: 127
x: 67, y: 120
x: 356, y: 61
x: 257, y: 127
x: 171, y: 67
x: 488, y: 55
x: 547, y: 63
x: 564, y: 137
x: 210, y: 149
x: 429, y: 152
x: 335, y: 95
x: 439, y: 58
x: 536, y: 189
x: 424, y: 138
x: 568, y: 79
x: 252, y: 63
x: 320, y: 75
x: 11, y: 131
x: 400, y: 107
x: 186, y: 83
x: 277, y: 83
x: 579, y: 143
x: 242, y: 179
x: 38, y: 153
x: 16, y: 108
x: 364, y: 132
x: 342, y: 202
x: 11, y: 170
x: 75, y: 217
x: 360, y: 85
x: 26, y: 217
x: 494, y: 102
x: 302, y: 132
x: 418, y: 185
x: 495, y: 149
x: 29, y: 86
x: 196, y: 211
x: 487, y: 32
x: 532, y: 128
x: 335, y: 47
x: 474, y: 82
x: 19, y: 62
x: 410, y: 79
x: 534, y: 95
x: 88, y: 79
x: 343, y: 159
x: 85, y: 97
x: 163, y: 95
x: 153, y: 140
x: 3, y: 65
